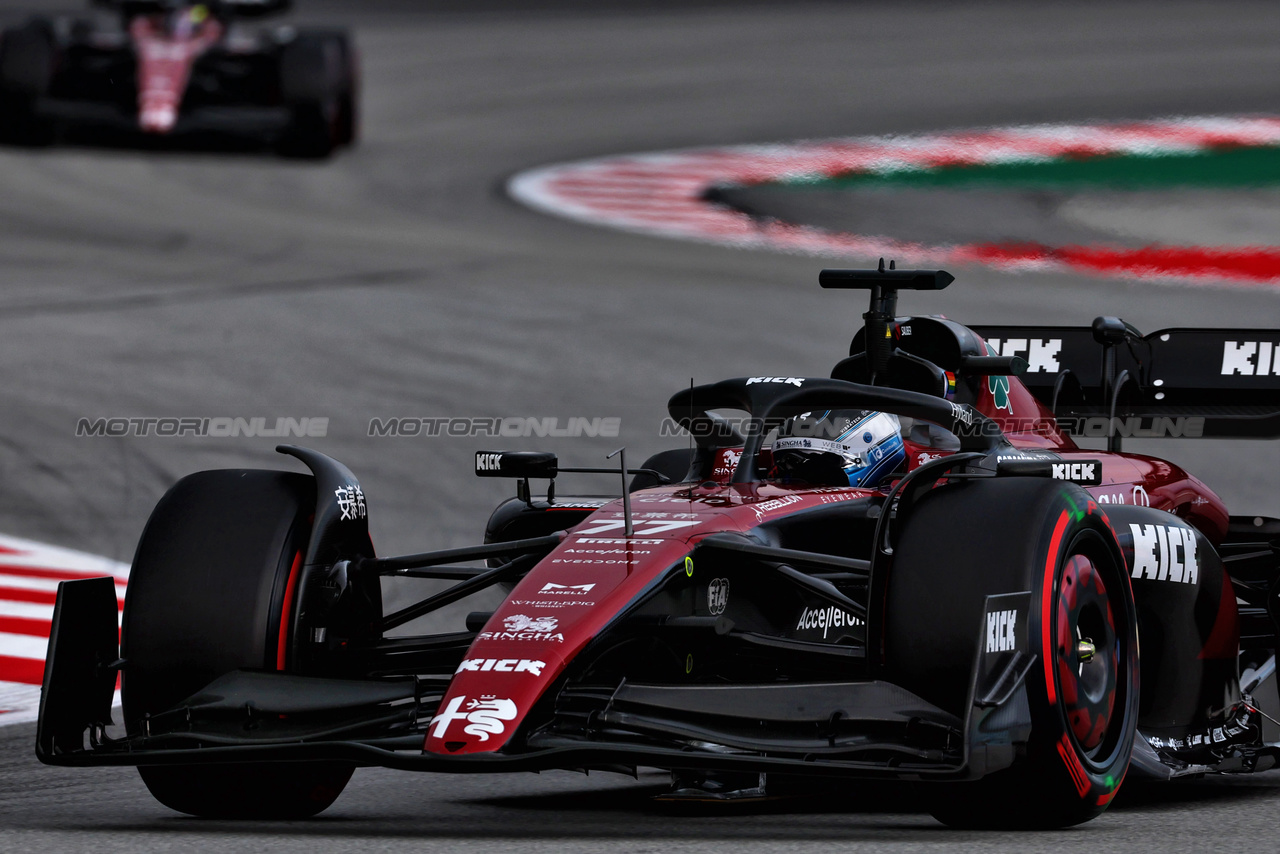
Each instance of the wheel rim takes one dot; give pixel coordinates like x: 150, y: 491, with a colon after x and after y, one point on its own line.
x: 1088, y: 682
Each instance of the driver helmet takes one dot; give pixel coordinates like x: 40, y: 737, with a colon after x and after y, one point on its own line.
x: 839, y: 447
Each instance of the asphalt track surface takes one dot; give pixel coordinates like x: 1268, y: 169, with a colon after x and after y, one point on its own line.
x: 399, y: 281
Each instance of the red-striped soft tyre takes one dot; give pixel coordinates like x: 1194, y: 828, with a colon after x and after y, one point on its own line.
x: 965, y: 541
x: 211, y: 591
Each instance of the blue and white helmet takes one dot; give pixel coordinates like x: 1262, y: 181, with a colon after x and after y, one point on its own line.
x: 839, y: 447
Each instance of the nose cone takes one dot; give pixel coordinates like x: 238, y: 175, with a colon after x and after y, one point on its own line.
x: 158, y: 114
x: 551, y: 615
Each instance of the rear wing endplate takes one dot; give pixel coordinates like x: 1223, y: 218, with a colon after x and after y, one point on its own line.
x: 1109, y: 379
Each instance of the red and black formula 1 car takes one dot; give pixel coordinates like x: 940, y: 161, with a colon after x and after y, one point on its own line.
x: 969, y: 624
x: 163, y: 68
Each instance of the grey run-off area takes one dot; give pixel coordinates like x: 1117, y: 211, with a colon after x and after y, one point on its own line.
x: 399, y: 281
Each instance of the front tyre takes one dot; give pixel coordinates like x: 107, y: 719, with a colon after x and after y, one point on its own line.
x: 319, y: 85
x: 969, y: 540
x: 211, y: 591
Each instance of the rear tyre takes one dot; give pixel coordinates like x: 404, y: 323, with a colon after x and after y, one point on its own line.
x: 28, y: 55
x: 966, y: 541
x: 210, y: 591
x: 319, y: 86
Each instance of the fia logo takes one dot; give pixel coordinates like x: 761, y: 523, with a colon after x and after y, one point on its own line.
x: 718, y: 596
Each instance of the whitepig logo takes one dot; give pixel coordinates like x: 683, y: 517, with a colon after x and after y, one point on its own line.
x: 485, y: 716
x: 502, y: 665
x: 553, y: 589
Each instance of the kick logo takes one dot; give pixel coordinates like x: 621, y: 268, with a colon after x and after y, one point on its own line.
x: 1088, y: 474
x: 1001, y: 626
x: 1165, y: 553
x: 795, y: 381
x: 485, y: 716
x: 502, y: 665
x: 1041, y: 354
x: 1250, y: 358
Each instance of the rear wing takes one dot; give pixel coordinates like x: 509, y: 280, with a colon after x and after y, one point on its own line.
x: 1112, y: 381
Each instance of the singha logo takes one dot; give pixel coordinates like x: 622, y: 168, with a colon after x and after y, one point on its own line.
x: 521, y: 623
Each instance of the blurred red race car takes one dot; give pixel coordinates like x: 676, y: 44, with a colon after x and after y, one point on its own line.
x: 163, y: 68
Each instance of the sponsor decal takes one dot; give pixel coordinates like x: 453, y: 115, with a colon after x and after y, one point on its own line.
x: 1041, y: 354
x: 1028, y: 455
x: 729, y: 459
x: 1001, y: 628
x: 1165, y: 553
x: 553, y: 589
x: 1250, y: 359
x: 774, y: 504
x: 521, y: 623
x: 581, y: 504
x: 962, y: 414
x: 1239, y: 724
x: 502, y: 665
x: 485, y: 715
x: 488, y: 461
x: 1089, y: 474
x: 795, y: 381
x: 826, y: 618
x: 617, y: 541
x: 607, y: 551
x: 601, y: 526
x: 999, y: 388
x: 351, y: 502
x: 1139, y: 498
x: 550, y: 604
x: 718, y: 596
x: 524, y: 628
x: 927, y: 457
